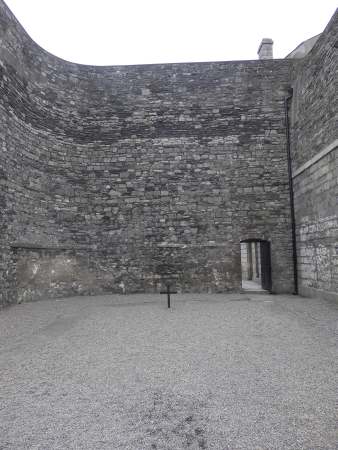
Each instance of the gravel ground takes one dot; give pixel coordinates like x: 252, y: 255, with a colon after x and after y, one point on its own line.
x: 214, y: 372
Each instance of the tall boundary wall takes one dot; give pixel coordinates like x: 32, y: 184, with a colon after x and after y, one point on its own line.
x: 113, y: 177
x: 315, y: 165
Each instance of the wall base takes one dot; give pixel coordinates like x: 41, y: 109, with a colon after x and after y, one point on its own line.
x: 318, y: 293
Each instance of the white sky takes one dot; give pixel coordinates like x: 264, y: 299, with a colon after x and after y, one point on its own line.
x: 105, y: 32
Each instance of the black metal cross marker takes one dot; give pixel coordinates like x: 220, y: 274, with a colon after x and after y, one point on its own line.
x: 168, y: 292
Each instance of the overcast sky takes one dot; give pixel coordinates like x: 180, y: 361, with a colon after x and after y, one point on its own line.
x: 108, y: 32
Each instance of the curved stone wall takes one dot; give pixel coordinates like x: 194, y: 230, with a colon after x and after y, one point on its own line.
x: 115, y: 176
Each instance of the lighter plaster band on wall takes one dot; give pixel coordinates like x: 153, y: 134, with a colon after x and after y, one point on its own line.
x: 316, y: 158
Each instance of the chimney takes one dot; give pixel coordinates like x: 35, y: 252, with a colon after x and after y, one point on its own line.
x: 265, y: 50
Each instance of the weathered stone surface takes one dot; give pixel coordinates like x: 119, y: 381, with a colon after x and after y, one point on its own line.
x: 317, y: 226
x: 315, y: 100
x: 314, y: 128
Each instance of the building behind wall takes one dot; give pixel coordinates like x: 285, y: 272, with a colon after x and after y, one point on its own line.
x: 251, y: 262
x: 114, y: 176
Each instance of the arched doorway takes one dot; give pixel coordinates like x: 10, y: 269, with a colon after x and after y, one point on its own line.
x: 256, y: 265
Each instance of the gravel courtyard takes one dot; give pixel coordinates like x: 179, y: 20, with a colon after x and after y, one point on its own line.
x: 214, y: 372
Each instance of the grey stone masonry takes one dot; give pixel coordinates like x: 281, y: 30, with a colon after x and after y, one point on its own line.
x: 317, y: 226
x: 315, y: 165
x: 315, y: 100
x: 114, y: 178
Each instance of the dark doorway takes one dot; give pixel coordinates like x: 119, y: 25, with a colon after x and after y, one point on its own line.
x: 256, y: 265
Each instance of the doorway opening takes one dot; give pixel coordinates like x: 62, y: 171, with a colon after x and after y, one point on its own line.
x: 256, y: 265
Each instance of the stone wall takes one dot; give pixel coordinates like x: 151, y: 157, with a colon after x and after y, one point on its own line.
x: 315, y: 156
x: 317, y: 227
x: 315, y: 101
x: 116, y: 176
